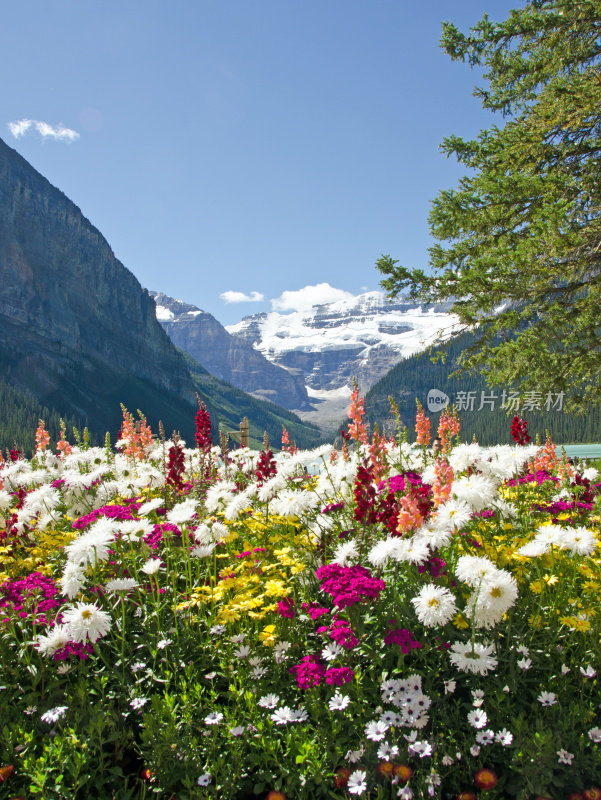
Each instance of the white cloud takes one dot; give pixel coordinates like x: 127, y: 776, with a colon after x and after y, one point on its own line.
x: 309, y: 296
x: 239, y: 297
x: 59, y: 132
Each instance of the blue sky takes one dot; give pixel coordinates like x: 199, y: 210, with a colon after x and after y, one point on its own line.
x: 235, y: 148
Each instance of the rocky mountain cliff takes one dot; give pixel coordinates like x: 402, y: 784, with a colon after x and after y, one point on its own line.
x: 79, y: 335
x: 75, y: 324
x: 230, y: 358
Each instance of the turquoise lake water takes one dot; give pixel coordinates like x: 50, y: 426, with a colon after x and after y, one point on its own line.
x: 582, y: 450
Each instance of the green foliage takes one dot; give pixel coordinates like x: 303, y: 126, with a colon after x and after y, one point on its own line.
x: 520, y: 235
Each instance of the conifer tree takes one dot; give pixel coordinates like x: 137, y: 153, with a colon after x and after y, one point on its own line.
x: 519, y: 239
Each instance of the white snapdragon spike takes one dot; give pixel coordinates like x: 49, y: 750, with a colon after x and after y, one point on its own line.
x: 345, y: 553
x: 591, y: 474
x: 434, y: 605
x: 86, y: 621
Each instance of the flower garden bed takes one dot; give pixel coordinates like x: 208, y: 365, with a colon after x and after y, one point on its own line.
x: 398, y: 622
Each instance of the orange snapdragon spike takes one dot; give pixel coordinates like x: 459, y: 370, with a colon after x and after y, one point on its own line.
x: 356, y: 429
x: 377, y: 452
x: 42, y: 437
x: 422, y: 426
x: 546, y: 458
x: 441, y: 489
x: 409, y: 516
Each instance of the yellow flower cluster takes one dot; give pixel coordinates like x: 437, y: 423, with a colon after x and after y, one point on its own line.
x: 251, y: 586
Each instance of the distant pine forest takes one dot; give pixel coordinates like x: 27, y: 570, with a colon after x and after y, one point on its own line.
x: 478, y: 405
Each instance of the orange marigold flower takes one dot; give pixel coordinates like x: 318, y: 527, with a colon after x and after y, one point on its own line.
x: 466, y: 796
x: 594, y: 793
x: 275, y: 795
x: 403, y: 772
x: 485, y: 779
x: 386, y: 769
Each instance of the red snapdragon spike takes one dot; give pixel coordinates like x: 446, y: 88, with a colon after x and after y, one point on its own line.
x: 203, y: 427
x: 266, y: 467
x: 175, y: 464
x: 519, y: 431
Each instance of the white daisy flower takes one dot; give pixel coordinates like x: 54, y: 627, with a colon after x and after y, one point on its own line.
x: 387, y: 751
x: 595, y: 735
x: 477, y: 718
x: 376, y: 730
x: 547, y: 698
x: 485, y: 737
x: 268, y: 701
x: 283, y: 715
x: 339, y: 702
x: 54, y: 640
x: 504, y: 737
x: 121, y: 585
x: 53, y: 714
x: 151, y: 566
x: 563, y: 757
x: 477, y: 659
x: 357, y: 782
x: 86, y: 621
x: 434, y: 605
x: 214, y: 718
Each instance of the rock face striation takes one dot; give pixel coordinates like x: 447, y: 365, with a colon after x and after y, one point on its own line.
x: 231, y: 358
x: 75, y: 324
x: 361, y: 337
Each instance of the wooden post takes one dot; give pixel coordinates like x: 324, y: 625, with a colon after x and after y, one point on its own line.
x: 244, y: 433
